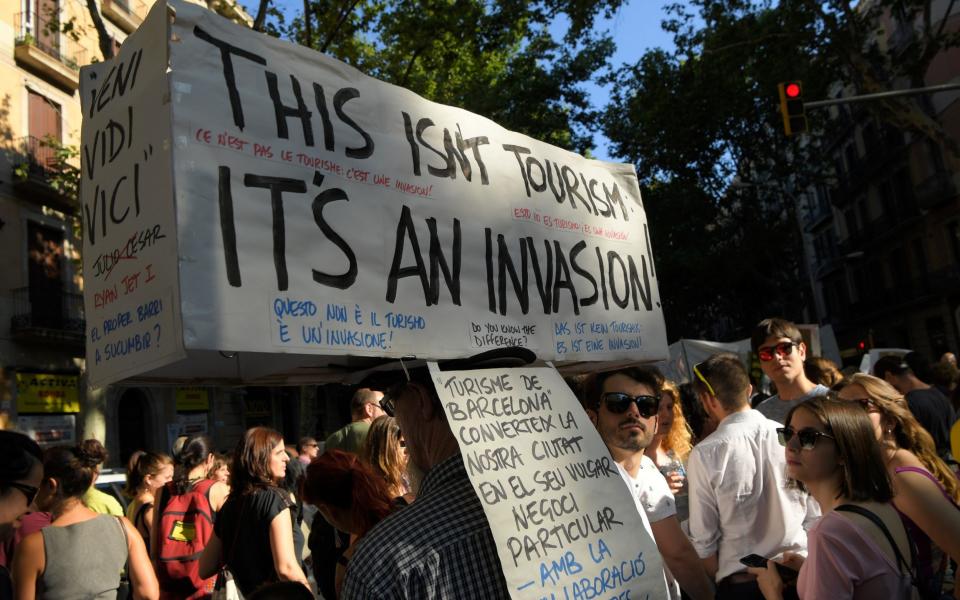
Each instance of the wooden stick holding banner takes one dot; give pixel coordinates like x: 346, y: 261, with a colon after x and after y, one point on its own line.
x: 565, y: 525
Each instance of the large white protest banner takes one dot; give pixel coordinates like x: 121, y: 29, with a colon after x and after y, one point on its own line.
x: 565, y: 525
x: 292, y: 210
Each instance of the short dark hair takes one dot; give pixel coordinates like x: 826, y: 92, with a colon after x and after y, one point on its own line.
x: 728, y: 378
x: 865, y: 476
x: 648, y: 376
x: 304, y: 442
x: 894, y: 365
x: 774, y: 327
x: 20, y: 454
x: 361, y: 398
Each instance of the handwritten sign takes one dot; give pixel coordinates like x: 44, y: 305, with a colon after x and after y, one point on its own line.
x: 565, y: 524
x: 321, y: 213
x: 129, y: 232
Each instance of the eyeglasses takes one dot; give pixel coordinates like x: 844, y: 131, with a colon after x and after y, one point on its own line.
x: 28, y: 490
x: 388, y: 404
x: 867, y: 403
x: 783, y: 350
x: 807, y: 437
x: 618, y: 403
x: 696, y: 371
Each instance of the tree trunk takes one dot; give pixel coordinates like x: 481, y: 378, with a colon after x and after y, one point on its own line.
x: 261, y: 15
x: 104, y: 39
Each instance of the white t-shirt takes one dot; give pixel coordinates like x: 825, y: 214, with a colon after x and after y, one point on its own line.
x: 651, y: 493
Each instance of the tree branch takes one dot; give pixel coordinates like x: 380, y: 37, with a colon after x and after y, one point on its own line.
x: 336, y: 27
x: 103, y: 37
x: 261, y: 15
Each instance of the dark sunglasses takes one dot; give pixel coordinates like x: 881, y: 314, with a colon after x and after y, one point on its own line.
x: 28, y: 490
x: 867, y: 403
x: 807, y: 437
x: 388, y: 404
x: 783, y: 349
x: 618, y: 403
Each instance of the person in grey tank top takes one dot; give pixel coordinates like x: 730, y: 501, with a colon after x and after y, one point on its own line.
x: 81, y: 554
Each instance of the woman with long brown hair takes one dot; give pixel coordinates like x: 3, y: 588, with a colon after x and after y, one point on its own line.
x: 859, y: 548
x: 349, y: 495
x: 926, y: 491
x: 385, y: 451
x: 253, y: 535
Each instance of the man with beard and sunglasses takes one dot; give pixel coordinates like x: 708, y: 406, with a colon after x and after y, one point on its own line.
x: 782, y: 352
x: 623, y: 405
x: 740, y: 503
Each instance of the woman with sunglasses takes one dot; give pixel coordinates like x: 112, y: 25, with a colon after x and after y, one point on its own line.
x: 859, y: 549
x: 926, y: 491
x: 81, y: 553
x: 385, y: 451
x: 21, y: 471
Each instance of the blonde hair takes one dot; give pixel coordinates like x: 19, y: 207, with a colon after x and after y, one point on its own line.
x: 679, y: 438
x: 382, y: 452
x: 909, y: 434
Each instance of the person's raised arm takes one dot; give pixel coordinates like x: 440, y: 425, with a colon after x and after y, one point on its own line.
x: 142, y: 576
x: 281, y: 547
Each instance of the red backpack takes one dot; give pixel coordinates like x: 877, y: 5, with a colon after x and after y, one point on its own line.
x: 186, y: 524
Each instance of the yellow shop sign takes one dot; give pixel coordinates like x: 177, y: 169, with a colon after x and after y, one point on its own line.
x: 193, y: 398
x: 47, y: 393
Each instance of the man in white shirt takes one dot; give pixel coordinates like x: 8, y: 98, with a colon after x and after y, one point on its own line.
x: 740, y: 503
x: 782, y: 352
x: 623, y: 405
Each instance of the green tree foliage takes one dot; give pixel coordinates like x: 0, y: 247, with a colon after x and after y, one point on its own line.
x: 496, y: 59
x: 694, y: 119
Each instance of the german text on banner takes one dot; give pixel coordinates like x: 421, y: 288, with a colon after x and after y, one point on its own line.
x: 250, y: 205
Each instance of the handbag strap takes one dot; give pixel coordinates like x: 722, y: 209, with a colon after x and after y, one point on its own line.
x: 908, y: 567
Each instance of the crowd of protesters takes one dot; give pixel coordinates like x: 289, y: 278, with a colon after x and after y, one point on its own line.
x: 832, y: 487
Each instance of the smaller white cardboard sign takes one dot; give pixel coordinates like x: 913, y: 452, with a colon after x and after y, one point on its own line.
x: 562, y: 517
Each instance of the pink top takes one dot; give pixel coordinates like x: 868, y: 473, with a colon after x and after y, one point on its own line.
x: 844, y: 562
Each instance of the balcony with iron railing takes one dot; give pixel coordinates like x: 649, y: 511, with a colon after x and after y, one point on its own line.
x: 48, y: 315
x: 40, y: 175
x: 126, y: 14
x: 41, y: 47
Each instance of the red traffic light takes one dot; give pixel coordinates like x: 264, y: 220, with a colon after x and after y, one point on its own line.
x: 861, y: 346
x: 792, y: 90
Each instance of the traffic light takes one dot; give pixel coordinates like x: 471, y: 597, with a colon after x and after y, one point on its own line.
x: 791, y: 107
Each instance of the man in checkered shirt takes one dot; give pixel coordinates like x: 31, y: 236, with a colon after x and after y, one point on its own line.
x: 440, y: 546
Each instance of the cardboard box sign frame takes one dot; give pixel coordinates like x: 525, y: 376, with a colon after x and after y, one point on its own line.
x: 255, y: 212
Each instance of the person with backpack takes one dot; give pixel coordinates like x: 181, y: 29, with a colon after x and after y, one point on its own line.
x: 253, y: 535
x: 859, y: 549
x: 183, y: 521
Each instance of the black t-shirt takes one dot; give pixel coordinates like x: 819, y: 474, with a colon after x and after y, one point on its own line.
x: 247, y: 548
x: 934, y: 412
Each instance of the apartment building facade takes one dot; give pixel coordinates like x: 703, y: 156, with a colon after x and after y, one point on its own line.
x: 43, y: 390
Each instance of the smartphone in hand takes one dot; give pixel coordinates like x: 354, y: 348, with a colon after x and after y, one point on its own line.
x: 787, y: 574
